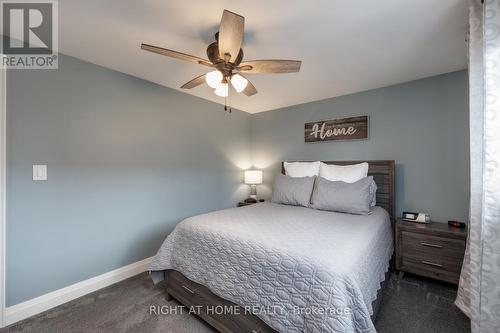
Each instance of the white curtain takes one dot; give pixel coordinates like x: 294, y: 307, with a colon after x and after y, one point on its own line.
x: 479, y: 290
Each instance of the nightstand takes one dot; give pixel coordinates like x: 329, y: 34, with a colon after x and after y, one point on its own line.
x: 433, y: 250
x: 243, y: 203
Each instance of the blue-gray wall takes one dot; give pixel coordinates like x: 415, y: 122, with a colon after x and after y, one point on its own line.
x: 422, y: 125
x: 127, y: 160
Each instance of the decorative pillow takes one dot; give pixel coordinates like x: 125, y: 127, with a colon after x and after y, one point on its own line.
x: 346, y: 173
x: 301, y: 169
x: 339, y: 196
x: 292, y: 191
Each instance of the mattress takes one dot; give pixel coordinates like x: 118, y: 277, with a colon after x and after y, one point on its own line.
x: 305, y: 270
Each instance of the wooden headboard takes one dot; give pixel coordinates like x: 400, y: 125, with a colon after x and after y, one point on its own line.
x: 383, y: 174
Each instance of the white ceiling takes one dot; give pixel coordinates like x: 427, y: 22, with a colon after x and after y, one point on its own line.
x: 345, y: 46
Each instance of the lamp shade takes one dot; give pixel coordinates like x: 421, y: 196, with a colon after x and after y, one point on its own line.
x: 213, y: 78
x: 239, y: 82
x: 253, y: 177
x: 222, y: 90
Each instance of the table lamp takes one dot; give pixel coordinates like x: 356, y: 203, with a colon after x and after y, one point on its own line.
x: 253, y: 178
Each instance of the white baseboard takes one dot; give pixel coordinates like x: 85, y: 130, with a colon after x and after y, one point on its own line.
x: 45, y: 302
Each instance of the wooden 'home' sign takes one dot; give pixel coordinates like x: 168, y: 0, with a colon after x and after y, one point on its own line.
x: 353, y: 128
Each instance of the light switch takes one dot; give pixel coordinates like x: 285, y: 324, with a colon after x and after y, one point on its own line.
x: 39, y: 172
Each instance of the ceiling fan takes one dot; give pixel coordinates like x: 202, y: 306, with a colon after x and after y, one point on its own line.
x: 225, y: 57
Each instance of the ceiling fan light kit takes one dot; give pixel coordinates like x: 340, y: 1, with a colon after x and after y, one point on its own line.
x: 222, y: 90
x: 214, y: 79
x: 239, y: 82
x: 225, y: 57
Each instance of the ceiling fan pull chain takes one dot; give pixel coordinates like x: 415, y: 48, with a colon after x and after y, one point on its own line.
x: 225, y: 103
x: 229, y: 94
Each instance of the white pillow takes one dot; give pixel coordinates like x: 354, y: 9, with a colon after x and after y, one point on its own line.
x: 346, y: 173
x: 301, y: 169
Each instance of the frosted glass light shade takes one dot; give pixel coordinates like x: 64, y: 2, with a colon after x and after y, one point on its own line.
x: 222, y: 90
x: 239, y: 82
x: 253, y: 177
x: 213, y: 78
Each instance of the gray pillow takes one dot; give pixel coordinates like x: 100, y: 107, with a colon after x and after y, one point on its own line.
x: 292, y: 190
x: 373, y: 192
x: 338, y: 196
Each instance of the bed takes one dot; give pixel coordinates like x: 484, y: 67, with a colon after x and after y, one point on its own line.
x: 277, y: 268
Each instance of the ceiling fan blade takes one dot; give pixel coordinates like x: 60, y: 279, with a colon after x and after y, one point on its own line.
x: 270, y: 66
x: 175, y: 54
x: 194, y: 82
x: 230, y: 35
x: 250, y: 88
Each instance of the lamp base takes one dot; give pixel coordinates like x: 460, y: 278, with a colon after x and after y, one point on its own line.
x: 253, y: 192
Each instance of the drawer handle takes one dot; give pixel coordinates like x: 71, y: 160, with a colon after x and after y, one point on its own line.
x: 188, y: 289
x: 431, y: 263
x: 431, y: 245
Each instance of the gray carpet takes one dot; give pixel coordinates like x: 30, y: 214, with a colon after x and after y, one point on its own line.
x: 410, y: 305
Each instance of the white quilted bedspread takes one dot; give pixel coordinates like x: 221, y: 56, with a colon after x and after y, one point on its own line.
x: 306, y: 270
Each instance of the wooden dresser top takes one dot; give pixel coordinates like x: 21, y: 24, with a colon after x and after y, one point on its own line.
x: 433, y: 228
